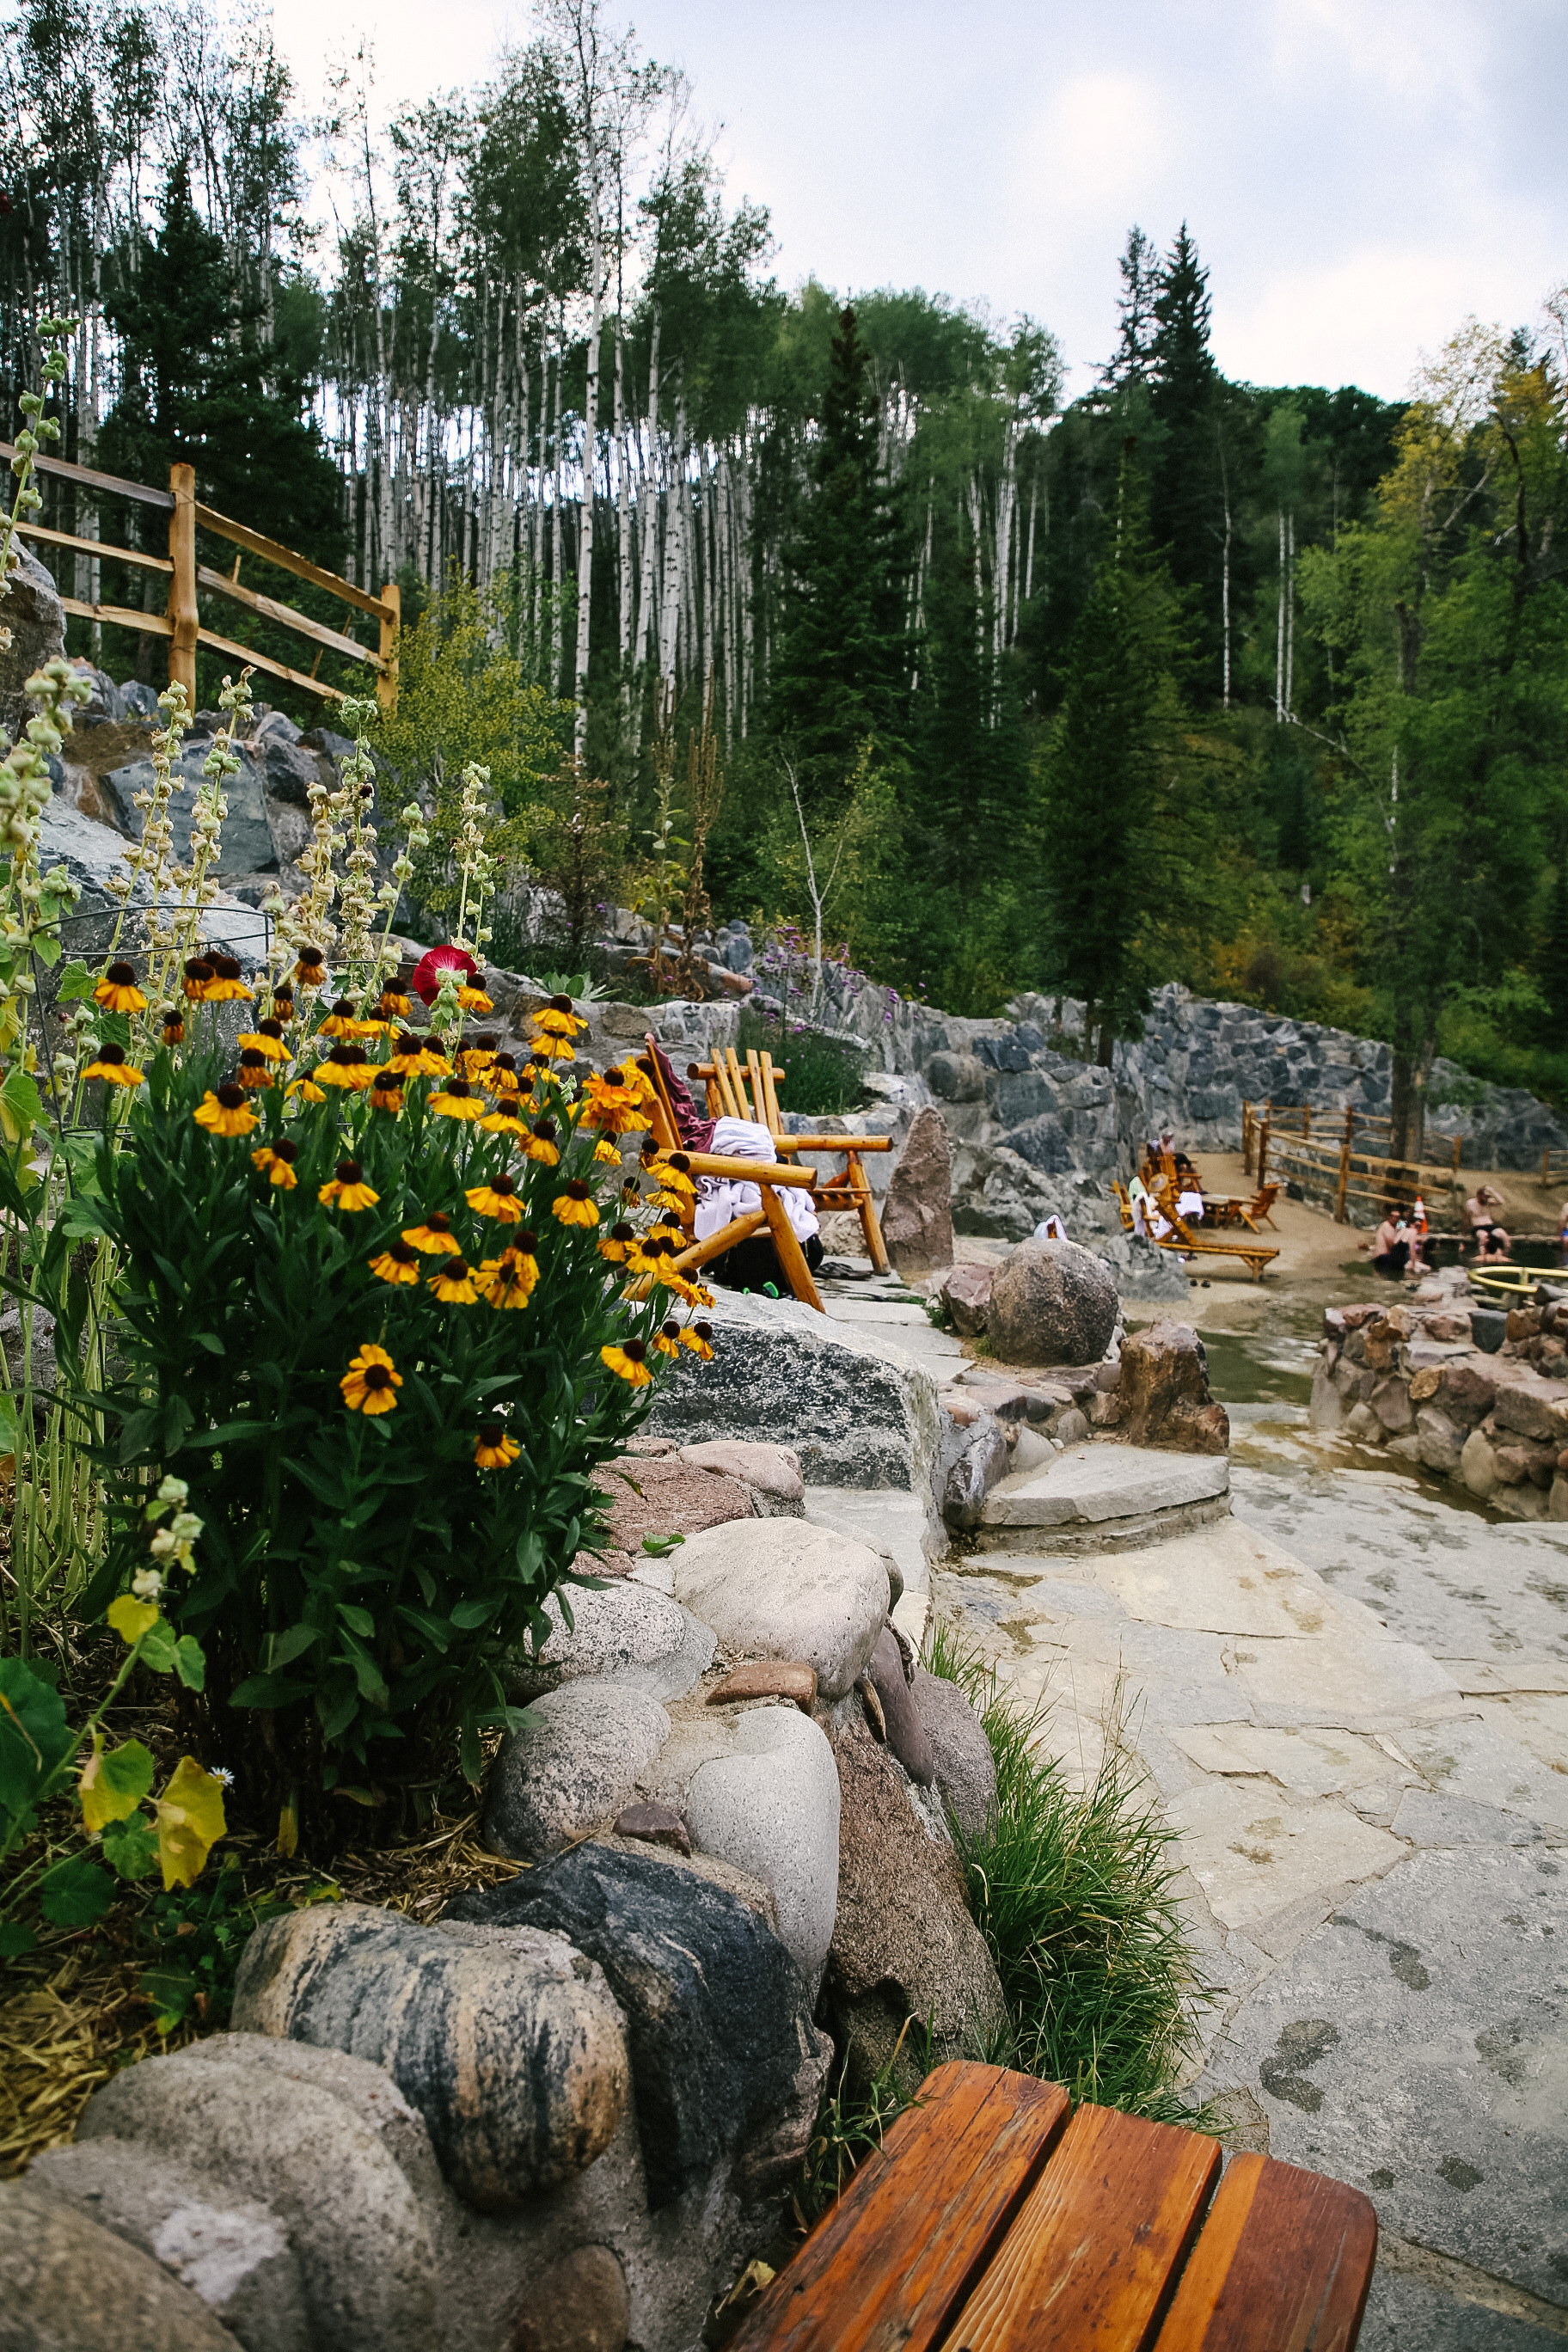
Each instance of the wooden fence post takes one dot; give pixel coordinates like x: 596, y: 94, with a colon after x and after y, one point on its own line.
x: 183, y: 608
x: 1306, y: 1122
x: 1263, y: 1146
x: 386, y: 677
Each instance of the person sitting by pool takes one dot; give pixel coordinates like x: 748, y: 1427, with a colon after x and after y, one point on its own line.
x: 1488, y: 1236
x: 1391, y: 1246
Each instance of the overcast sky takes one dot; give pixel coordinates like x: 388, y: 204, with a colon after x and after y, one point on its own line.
x: 1359, y: 174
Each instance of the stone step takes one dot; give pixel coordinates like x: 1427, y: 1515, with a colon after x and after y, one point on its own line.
x: 1102, y: 1496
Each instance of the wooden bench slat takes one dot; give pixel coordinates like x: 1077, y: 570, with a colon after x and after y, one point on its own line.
x: 1280, y: 2242
x: 1092, y: 2256
x: 889, y: 2265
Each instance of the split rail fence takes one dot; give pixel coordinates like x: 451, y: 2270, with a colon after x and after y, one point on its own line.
x: 181, y: 621
x: 1332, y: 1166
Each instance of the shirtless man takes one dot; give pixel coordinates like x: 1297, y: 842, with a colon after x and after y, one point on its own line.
x: 1488, y: 1236
x: 1391, y: 1246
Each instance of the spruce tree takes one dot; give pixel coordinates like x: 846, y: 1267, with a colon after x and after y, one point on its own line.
x: 1111, y: 770
x: 839, y: 677
x: 1139, y: 268
x: 1187, y: 494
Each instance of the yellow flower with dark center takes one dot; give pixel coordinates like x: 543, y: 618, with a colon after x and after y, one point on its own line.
x: 454, y: 1284
x: 613, y: 1102
x: 493, y: 1449
x: 698, y: 1337
x: 542, y: 1144
x: 667, y: 1339
x: 628, y: 1363
x: 671, y: 1204
x: 198, y: 980
x: 347, y: 1188
x: 558, y: 1019
x: 368, y: 1383
x: 575, y: 1206
x: 606, y: 1155
x: 458, y: 1099
x: 309, y: 971
x: 174, y: 1020
x: 668, y: 1233
x: 282, y: 1004
x: 631, y: 1191
x: 397, y: 1263
x: 265, y: 1039
x: 277, y: 1162
x: 111, y: 1065
x: 694, y: 1293
x: 118, y: 991
x: 414, y: 1056
x: 386, y: 1093
x: 254, y: 1069
x: 555, y: 1049
x: 346, y: 1066
x: 474, y: 1000
x: 434, y: 1236
x: 503, y: 1122
x: 497, y: 1198
x: 306, y: 1088
x: 227, y: 1112
x: 616, y: 1243
x: 227, y: 986
x: 508, y: 1280
x: 393, y: 1005
x: 340, y: 1020
x: 503, y: 1076
x: 673, y: 1175
x: 476, y: 1058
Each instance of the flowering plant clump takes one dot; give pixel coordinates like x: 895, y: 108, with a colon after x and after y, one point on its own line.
x: 382, y: 1300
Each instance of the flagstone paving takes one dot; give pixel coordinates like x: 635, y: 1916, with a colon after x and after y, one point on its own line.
x: 1353, y: 1697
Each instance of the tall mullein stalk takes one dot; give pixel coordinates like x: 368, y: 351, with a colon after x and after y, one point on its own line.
x: 475, y: 862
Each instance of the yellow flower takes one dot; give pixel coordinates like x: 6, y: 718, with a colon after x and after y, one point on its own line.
x: 555, y: 1049
x: 615, y: 1102
x: 227, y: 985
x: 628, y: 1363
x: 227, y: 1112
x: 575, y: 1206
x: 131, y: 1618
x: 254, y: 1068
x: 393, y: 1006
x: 454, y: 1284
x: 277, y: 1160
x: 111, y: 1065
x: 434, y: 1237
x: 558, y: 1019
x: 458, y: 1099
x: 341, y: 1022
x: 369, y: 1382
x: 671, y: 1204
x: 606, y: 1155
x: 497, y: 1198
x: 694, y: 1293
x: 265, y: 1039
x: 386, y: 1093
x: 503, y: 1122
x: 615, y: 1244
x: 173, y: 1019
x: 348, y: 1188
x: 118, y: 991
x: 198, y: 980
x: 541, y: 1144
x: 503, y: 1076
x: 397, y: 1263
x: 508, y: 1280
x: 416, y: 1057
x: 306, y: 1088
x: 667, y: 1339
x: 476, y: 1058
x: 346, y: 1065
x: 698, y: 1337
x: 493, y: 1449
x: 474, y: 1000
x: 674, y: 1175
x: 282, y: 1008
x: 308, y: 971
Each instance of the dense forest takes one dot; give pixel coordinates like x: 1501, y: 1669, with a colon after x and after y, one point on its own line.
x: 1262, y: 688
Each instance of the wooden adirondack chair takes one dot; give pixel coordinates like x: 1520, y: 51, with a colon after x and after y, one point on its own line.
x: 766, y: 1178
x: 1254, y: 1256
x: 751, y: 1093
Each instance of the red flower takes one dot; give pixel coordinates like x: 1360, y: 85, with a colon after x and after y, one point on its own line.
x: 426, y: 981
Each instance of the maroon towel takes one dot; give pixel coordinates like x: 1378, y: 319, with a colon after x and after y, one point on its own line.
x: 696, y: 1133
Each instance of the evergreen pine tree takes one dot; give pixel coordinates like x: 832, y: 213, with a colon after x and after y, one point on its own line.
x: 1186, y: 495
x: 1551, y: 963
x: 1133, y: 358
x: 841, y: 672
x: 1110, y: 770
x: 199, y: 390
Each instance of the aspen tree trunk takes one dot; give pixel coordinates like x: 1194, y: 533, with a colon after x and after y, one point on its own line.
x: 623, y: 506
x: 709, y: 583
x: 673, y: 601
x: 590, y: 460
x: 649, y: 500
x: 557, y: 532
x: 1029, y: 558
x: 1290, y: 622
x: 921, y: 567
x: 1279, y: 635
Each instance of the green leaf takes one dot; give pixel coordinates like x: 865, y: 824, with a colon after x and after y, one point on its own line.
x: 172, y: 1989
x: 190, y: 1663
x: 660, y: 1546
x: 80, y: 1220
x: 20, y: 1105
x: 367, y: 1674
x: 17, y: 1940
x: 282, y: 1649
x: 159, y: 1645
x: 467, y: 1614
x: 34, y: 1735
x: 212, y: 1345
x: 337, y: 1713
x: 46, y: 946
x: 113, y: 1782
x: 76, y: 984
x: 131, y: 1847
x: 76, y: 1892
x: 269, y: 1691
x: 358, y: 1620
x: 10, y: 1427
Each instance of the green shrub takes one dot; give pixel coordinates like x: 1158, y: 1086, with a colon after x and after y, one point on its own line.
x: 822, y: 1074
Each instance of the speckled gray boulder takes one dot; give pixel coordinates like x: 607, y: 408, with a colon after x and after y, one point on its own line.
x: 965, y: 1768
x: 572, y: 1773
x: 513, y: 2053
x: 624, y: 1633
x: 68, y: 2284
x: 1052, y: 1303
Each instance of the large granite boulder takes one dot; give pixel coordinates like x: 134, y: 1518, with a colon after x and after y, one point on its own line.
x: 917, y: 1217
x: 1163, y: 1396
x: 785, y: 1589
x: 965, y: 1292
x: 512, y: 2051
x: 31, y: 610
x: 69, y: 2285
x: 571, y: 1769
x: 1052, y: 1303
x: 246, y: 846
x: 905, y: 1950
x: 726, y: 2065
x: 965, y: 1767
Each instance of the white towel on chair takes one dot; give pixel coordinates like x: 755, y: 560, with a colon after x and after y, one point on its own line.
x: 721, y: 1198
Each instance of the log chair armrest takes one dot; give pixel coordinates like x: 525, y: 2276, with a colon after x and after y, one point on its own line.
x: 849, y: 1144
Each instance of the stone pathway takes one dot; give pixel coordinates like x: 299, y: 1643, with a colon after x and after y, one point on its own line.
x: 1352, y: 1697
